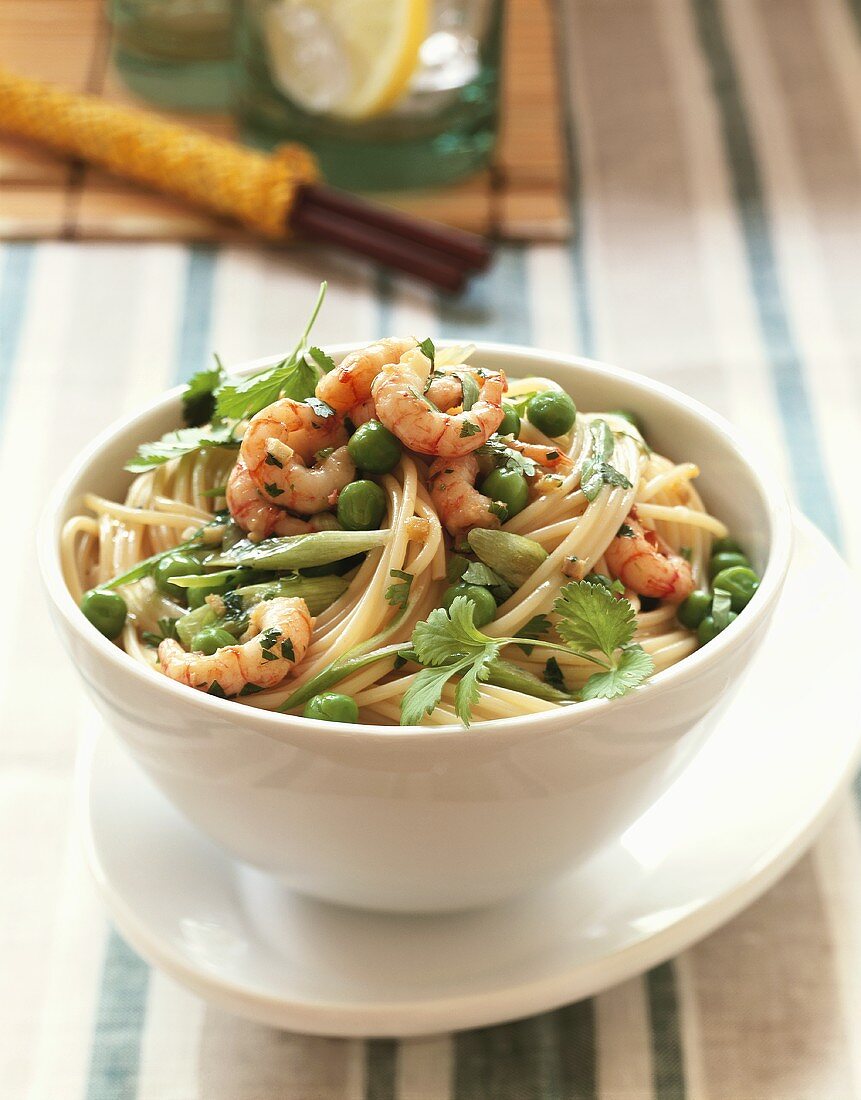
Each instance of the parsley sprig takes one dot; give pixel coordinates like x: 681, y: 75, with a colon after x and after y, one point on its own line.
x: 594, y: 625
x: 213, y: 403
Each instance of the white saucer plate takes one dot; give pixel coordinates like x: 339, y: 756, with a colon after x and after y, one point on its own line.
x: 742, y: 812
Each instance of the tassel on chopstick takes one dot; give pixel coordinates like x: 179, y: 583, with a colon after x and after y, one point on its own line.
x: 277, y: 196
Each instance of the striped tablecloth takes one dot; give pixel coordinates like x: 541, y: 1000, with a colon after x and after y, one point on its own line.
x: 716, y: 150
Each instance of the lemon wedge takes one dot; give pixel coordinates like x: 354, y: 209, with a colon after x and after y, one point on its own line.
x: 347, y: 58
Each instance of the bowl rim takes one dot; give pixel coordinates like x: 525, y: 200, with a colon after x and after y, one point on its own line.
x: 281, y: 726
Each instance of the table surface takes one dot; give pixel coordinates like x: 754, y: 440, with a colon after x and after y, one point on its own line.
x: 717, y: 156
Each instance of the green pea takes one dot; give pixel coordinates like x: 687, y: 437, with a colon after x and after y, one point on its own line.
x: 725, y: 560
x: 740, y: 582
x: 694, y: 609
x: 510, y: 422
x: 331, y: 706
x: 626, y: 414
x: 726, y: 546
x: 211, y: 638
x: 361, y: 506
x: 552, y: 412
x: 509, y: 487
x: 373, y: 447
x: 105, y: 610
x: 707, y: 631
x: 175, y: 565
x: 483, y: 603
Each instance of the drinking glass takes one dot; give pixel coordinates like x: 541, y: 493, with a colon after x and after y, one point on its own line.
x: 435, y: 118
x: 177, y: 53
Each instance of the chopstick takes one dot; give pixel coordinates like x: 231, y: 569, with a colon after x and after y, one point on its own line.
x: 272, y: 195
x: 436, y: 254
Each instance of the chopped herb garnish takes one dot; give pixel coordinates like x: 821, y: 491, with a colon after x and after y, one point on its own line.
x: 597, y: 471
x: 272, y: 489
x: 625, y: 532
x: 398, y: 594
x: 179, y: 443
x: 499, y: 510
x: 467, y: 429
x: 322, y: 410
x: 507, y: 458
x: 198, y: 400
x: 269, y: 637
x: 479, y: 573
x: 470, y: 389
x: 428, y: 350
x: 287, y: 650
x: 251, y: 689
x: 271, y: 460
x: 553, y: 675
x: 217, y: 690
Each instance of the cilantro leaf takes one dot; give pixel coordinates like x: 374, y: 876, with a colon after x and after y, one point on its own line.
x: 592, y: 618
x: 425, y: 691
x: 632, y: 668
x: 466, y: 694
x: 445, y: 637
x: 398, y: 594
x: 467, y: 429
x: 626, y: 531
x: 179, y: 443
x: 428, y: 350
x: 470, y: 391
x: 597, y: 471
x: 721, y: 607
x: 479, y: 573
x: 198, y: 401
x: 324, y: 362
x: 293, y: 377
x: 537, y: 625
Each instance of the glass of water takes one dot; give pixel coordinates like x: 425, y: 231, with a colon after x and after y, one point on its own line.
x: 176, y: 53
x: 387, y: 93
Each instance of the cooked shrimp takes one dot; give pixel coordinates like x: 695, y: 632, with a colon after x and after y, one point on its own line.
x: 397, y: 393
x: 254, y: 515
x: 643, y: 561
x: 275, y: 642
x: 363, y: 412
x: 460, y: 505
x: 278, y: 443
x: 445, y: 392
x: 349, y: 384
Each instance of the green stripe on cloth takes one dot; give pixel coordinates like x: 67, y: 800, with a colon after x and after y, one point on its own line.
x: 380, y: 1069
x: 668, y: 1072
x: 193, y: 352
x: 547, y: 1057
x: 787, y: 371
x: 115, y: 1053
x: 15, y: 271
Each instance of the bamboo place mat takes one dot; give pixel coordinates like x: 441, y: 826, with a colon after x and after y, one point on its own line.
x: 522, y: 196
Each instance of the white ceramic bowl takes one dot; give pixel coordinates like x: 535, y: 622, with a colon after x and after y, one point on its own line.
x: 435, y: 818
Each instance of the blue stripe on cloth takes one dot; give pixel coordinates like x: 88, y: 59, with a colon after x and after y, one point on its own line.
x: 115, y: 1054
x: 16, y: 267
x: 193, y: 352
x: 808, y: 467
x: 577, y: 247
x: 495, y: 306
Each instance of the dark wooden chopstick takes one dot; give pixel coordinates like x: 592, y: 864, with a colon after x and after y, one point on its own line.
x: 436, y: 254
x: 474, y: 251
